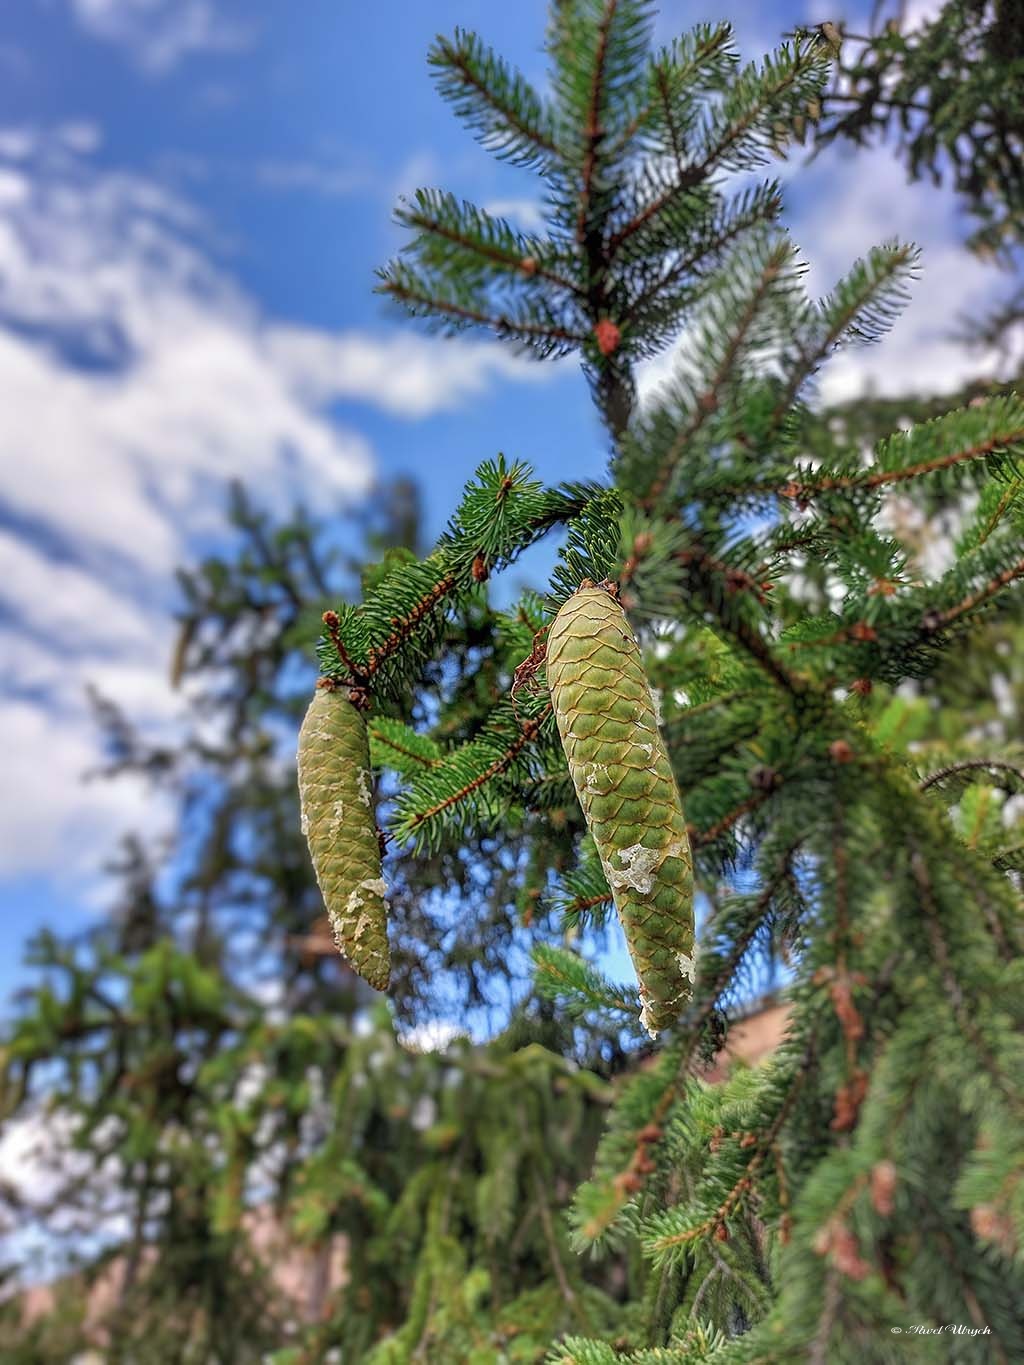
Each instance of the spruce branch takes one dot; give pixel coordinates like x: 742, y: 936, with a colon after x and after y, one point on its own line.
x: 404, y: 626
x: 565, y: 977
x: 462, y: 775
x: 395, y: 745
x: 594, y: 131
x: 953, y: 988
x: 869, y: 300
x: 990, y: 431
x: 332, y: 623
x: 703, y: 837
x: 861, y: 308
x: 665, y: 1239
x: 627, y: 1180
x: 460, y: 239
x: 501, y: 107
x: 987, y: 765
x: 892, y: 464
x: 597, y: 49
x: 727, y: 352
x: 793, y: 75
x: 403, y: 615
x: 705, y: 575
x: 657, y: 306
x: 697, y: 62
x: 573, y: 909
x: 546, y: 337
x: 937, y: 621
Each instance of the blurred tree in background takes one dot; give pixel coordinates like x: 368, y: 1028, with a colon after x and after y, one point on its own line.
x: 204, y: 1060
x: 948, y: 92
x: 205, y: 1050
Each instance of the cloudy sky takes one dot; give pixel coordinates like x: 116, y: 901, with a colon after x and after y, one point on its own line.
x: 193, y: 197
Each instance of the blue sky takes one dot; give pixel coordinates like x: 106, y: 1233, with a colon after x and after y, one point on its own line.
x: 193, y: 197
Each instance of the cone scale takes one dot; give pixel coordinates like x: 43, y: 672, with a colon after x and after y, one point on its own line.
x: 336, y: 796
x: 620, y: 768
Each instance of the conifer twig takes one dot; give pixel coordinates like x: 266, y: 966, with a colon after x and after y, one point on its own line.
x: 804, y: 491
x: 944, y: 962
x: 529, y: 730
x: 716, y: 39
x: 332, y: 624
x: 500, y: 324
x: 707, y: 402
x: 709, y: 996
x: 970, y: 765
x: 404, y: 626
x: 700, y: 837
x: 811, y: 360
x: 584, y: 903
x: 700, y: 171
x: 402, y: 749
x: 457, y: 60
x: 939, y: 620
x: 594, y: 131
x: 764, y: 1145
x: 680, y: 268
x: 489, y: 251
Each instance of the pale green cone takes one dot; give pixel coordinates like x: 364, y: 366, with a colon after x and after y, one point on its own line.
x: 336, y: 795
x: 625, y: 784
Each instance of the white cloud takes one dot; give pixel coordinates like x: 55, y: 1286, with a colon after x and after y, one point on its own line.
x: 525, y: 214
x: 137, y: 376
x: 328, y: 175
x: 55, y: 822
x: 862, y: 18
x: 138, y: 379
x: 312, y: 177
x: 159, y: 33
x: 435, y: 1035
x: 403, y: 373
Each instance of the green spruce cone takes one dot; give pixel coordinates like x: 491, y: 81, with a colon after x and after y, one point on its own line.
x: 608, y: 723
x: 336, y: 796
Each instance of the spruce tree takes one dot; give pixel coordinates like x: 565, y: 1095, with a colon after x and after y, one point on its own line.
x: 868, y: 1178
x: 845, y: 765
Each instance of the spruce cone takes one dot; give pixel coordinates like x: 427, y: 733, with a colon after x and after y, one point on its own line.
x: 625, y: 784
x: 336, y: 794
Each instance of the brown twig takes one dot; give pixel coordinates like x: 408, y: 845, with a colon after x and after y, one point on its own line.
x: 594, y: 131
x: 707, y: 402
x: 332, y: 624
x: 499, y: 324
x: 404, y: 626
x: 938, y: 620
x: 970, y: 765
x: 802, y: 492
x: 499, y: 765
